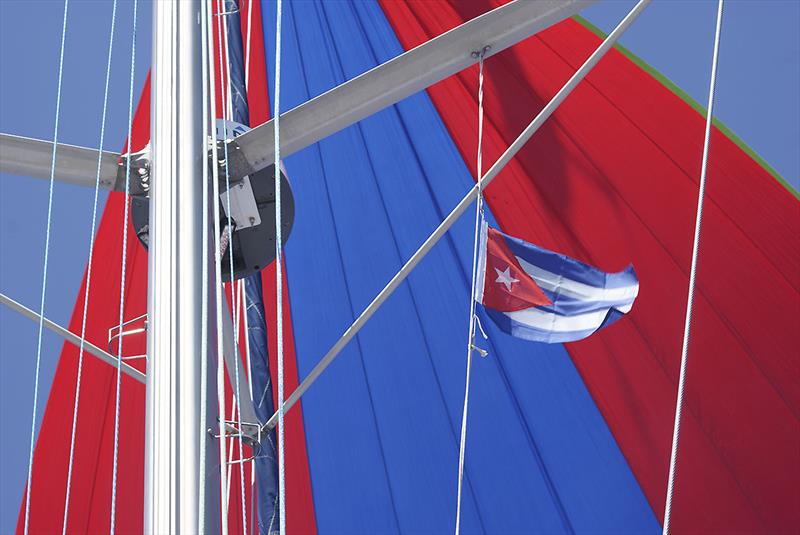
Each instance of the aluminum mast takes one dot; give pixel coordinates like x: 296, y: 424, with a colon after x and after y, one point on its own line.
x: 174, y: 429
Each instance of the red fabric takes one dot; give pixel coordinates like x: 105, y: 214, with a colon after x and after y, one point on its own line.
x: 92, y: 467
x: 90, y: 498
x: 499, y: 292
x: 612, y: 178
x: 300, y: 517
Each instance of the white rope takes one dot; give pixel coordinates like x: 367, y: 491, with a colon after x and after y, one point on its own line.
x: 229, y: 442
x: 244, y: 305
x: 208, y: 130
x: 217, y: 271
x: 44, y: 269
x: 247, y: 47
x: 279, y: 273
x: 88, y: 274
x: 123, y: 271
x: 673, y: 461
x: 228, y: 112
x: 472, y: 317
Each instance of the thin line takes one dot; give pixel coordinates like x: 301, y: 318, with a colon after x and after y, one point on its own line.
x: 245, y: 306
x: 207, y: 125
x: 88, y: 273
x: 122, y: 275
x: 229, y: 444
x: 44, y: 268
x: 279, y: 273
x: 676, y: 433
x: 475, y: 268
x: 243, y: 294
x: 247, y: 49
x: 228, y: 113
x: 217, y: 273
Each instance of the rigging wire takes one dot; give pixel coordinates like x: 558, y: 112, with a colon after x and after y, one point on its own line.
x: 207, y: 126
x: 241, y: 307
x: 247, y: 48
x: 123, y: 270
x: 230, y: 442
x: 475, y: 267
x: 217, y: 268
x: 244, y: 305
x: 88, y: 272
x: 227, y: 113
x: 279, y: 274
x: 44, y: 268
x: 673, y: 461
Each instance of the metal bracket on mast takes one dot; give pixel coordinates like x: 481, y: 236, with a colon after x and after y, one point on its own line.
x: 140, y: 164
x: 120, y: 333
x: 252, y: 203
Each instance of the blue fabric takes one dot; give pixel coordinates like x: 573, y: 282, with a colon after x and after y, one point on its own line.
x: 382, y: 423
x: 266, y: 465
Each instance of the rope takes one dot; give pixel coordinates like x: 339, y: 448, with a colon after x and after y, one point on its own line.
x: 88, y: 274
x: 673, y: 461
x: 472, y: 317
x: 44, y: 269
x: 217, y: 271
x: 223, y: 33
x: 244, y: 306
x: 247, y: 49
x: 208, y: 129
x: 279, y: 273
x: 229, y: 442
x: 246, y: 339
x: 122, y: 275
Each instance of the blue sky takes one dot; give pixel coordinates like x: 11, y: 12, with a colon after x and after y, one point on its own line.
x: 757, y: 97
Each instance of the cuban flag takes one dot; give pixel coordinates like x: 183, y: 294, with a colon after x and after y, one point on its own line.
x: 539, y: 295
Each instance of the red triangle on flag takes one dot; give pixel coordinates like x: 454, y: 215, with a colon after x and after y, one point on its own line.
x: 507, y: 287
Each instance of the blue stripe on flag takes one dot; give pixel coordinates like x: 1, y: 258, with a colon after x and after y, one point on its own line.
x: 569, y: 267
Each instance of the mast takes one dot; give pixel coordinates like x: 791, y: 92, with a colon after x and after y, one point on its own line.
x: 174, y: 430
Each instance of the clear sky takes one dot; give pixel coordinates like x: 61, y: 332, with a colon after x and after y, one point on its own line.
x: 758, y: 88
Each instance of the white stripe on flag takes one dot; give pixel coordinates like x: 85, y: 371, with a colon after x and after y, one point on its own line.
x: 578, y: 290
x: 548, y: 321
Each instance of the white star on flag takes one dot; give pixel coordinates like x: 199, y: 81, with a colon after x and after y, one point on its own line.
x: 505, y: 277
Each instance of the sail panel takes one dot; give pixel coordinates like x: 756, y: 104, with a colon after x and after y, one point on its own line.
x: 561, y: 438
x: 386, y: 415
x: 612, y: 177
x: 90, y: 495
x: 300, y: 516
